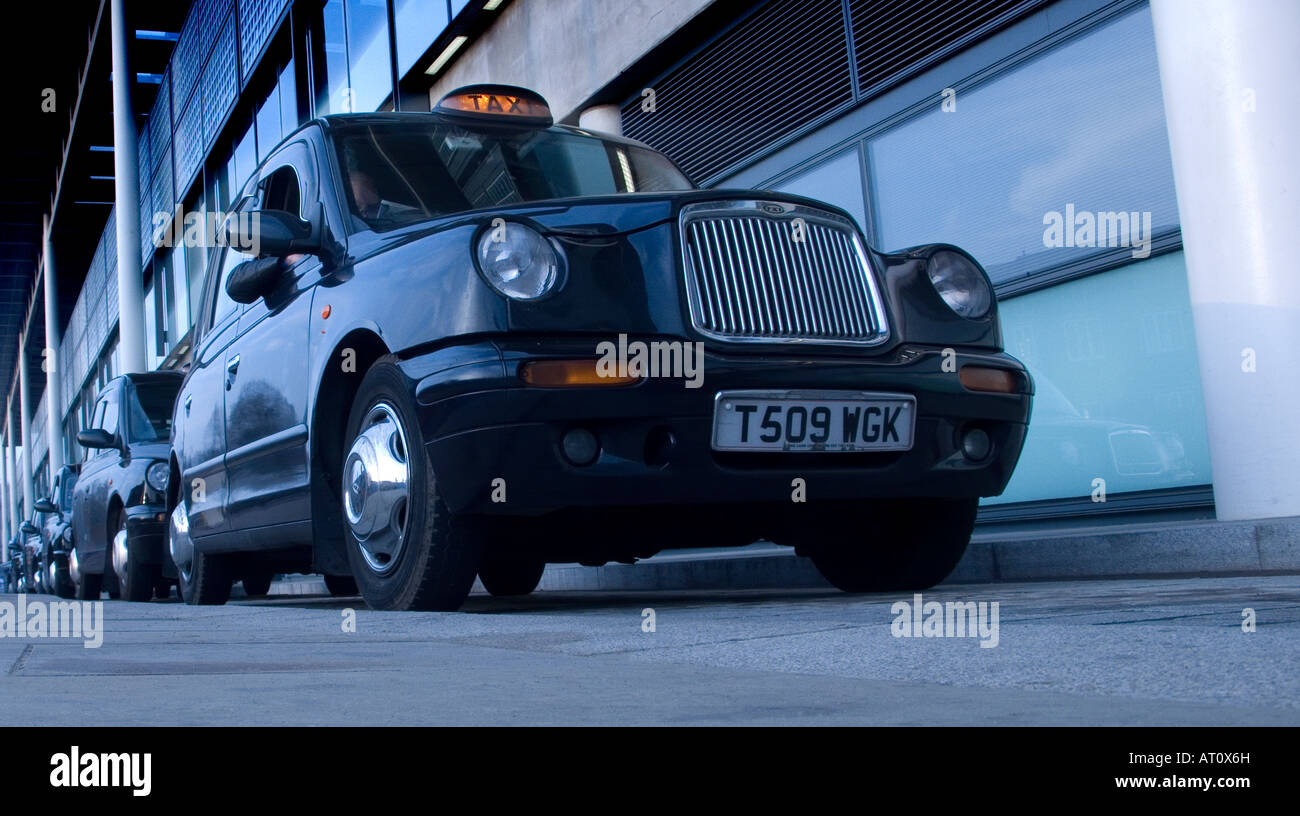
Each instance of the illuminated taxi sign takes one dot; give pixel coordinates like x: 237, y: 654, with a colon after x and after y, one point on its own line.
x: 499, y: 102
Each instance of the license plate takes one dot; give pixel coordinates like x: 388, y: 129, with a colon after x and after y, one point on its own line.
x: 813, y: 421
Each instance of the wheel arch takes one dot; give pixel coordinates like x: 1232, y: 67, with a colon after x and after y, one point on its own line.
x: 339, y: 382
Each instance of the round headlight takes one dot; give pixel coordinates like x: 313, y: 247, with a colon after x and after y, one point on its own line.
x: 517, y: 261
x: 158, y: 475
x: 960, y: 283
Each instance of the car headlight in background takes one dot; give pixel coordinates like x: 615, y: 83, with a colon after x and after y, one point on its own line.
x: 157, y: 476
x: 518, y: 261
x: 960, y: 283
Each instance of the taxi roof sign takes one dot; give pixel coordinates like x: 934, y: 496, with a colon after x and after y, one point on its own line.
x: 503, y: 103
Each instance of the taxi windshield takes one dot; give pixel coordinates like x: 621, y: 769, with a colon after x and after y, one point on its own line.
x: 400, y: 173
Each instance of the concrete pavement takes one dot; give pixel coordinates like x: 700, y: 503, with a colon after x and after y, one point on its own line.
x: 1122, y: 652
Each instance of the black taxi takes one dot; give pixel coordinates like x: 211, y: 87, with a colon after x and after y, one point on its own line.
x: 471, y: 342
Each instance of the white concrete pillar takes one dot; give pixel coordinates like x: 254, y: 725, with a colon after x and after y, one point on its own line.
x: 26, y: 470
x: 53, y: 365
x: 126, y: 174
x: 602, y: 119
x: 1228, y: 72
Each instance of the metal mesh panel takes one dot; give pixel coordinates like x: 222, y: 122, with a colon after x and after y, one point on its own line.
x: 257, y: 22
x: 220, y: 83
x: 185, y: 62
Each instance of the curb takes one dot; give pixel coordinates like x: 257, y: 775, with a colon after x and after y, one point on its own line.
x: 1168, y: 549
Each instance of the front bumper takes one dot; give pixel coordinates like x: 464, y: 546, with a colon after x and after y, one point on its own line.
x: 146, y: 529
x: 482, y: 424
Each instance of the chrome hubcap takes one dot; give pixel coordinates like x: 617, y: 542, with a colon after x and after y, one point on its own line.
x: 51, y: 575
x: 74, y: 566
x: 376, y: 488
x: 179, y: 543
x: 119, y: 556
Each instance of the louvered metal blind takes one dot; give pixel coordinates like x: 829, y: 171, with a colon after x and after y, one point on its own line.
x: 779, y: 69
x: 894, y: 38
x: 788, y: 65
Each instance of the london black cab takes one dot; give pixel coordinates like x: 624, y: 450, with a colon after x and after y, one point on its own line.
x: 119, y: 513
x: 473, y: 342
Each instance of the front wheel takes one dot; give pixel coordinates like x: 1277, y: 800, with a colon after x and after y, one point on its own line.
x: 505, y: 574
x: 135, y: 579
x: 257, y: 584
x: 341, y: 585
x: 57, y: 576
x: 886, y: 546
x: 406, y: 549
x: 202, y: 579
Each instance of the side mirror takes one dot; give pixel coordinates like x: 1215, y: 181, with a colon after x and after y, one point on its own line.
x: 273, y: 233
x: 29, y: 529
x: 44, y: 506
x: 97, y: 438
x: 253, y: 279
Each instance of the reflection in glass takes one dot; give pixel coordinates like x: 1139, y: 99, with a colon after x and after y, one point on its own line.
x: 368, y: 65
x: 838, y: 181
x: 1081, y: 126
x: 1118, y: 389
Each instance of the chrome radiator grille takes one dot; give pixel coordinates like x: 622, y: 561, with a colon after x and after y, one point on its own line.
x: 766, y: 271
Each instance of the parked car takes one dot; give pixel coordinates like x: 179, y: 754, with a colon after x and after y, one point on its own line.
x: 119, y: 507
x: 31, y: 544
x: 55, y: 531
x: 413, y: 364
x: 15, y: 566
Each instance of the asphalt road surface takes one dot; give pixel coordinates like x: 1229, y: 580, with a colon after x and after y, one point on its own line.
x: 1104, y: 652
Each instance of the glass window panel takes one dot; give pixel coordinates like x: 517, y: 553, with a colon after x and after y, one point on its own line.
x: 245, y: 159
x: 368, y: 64
x: 419, y: 22
x: 838, y: 181
x: 1114, y: 362
x: 268, y: 124
x: 329, y: 60
x: 288, y: 90
x: 1081, y: 126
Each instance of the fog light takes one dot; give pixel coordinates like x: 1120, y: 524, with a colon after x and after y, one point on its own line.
x: 976, y: 445
x: 580, y: 446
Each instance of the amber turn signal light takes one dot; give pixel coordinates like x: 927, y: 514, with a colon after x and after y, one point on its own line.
x: 998, y: 380
x: 569, y: 374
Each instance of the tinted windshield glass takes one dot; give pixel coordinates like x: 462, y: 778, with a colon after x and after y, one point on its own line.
x: 398, y: 174
x: 151, y: 411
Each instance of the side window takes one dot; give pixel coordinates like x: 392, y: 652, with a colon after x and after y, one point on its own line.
x: 282, y: 191
x: 88, y: 453
x: 224, y: 304
x: 112, y: 412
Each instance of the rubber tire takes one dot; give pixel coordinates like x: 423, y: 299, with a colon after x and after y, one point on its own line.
x: 505, y: 575
x: 91, y: 587
x: 256, y: 586
x: 341, y: 585
x: 910, y: 544
x: 437, y: 565
x: 63, y: 586
x: 210, y: 581
x: 140, y: 577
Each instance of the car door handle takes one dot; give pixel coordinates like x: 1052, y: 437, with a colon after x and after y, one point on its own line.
x: 188, y: 402
x: 232, y: 368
